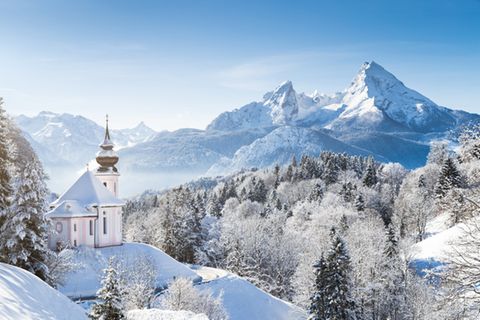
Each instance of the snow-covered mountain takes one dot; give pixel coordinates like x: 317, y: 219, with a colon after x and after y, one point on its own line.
x: 69, y: 139
x: 376, y: 114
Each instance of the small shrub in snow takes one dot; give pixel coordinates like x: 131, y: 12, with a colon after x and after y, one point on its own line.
x: 181, y: 295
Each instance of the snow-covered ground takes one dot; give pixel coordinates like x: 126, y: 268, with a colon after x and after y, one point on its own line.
x: 85, y: 280
x: 157, y: 314
x: 243, y: 300
x: 440, y: 238
x: 24, y: 296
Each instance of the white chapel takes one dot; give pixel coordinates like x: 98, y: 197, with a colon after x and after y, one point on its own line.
x: 89, y: 213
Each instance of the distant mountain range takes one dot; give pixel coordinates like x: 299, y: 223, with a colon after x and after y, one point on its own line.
x: 377, y: 114
x: 65, y: 139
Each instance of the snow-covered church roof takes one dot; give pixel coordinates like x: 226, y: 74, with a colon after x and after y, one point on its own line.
x: 85, y: 193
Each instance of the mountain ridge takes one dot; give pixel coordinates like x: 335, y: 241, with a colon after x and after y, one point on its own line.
x: 376, y: 114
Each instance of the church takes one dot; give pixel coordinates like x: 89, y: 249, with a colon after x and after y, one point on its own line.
x: 89, y: 213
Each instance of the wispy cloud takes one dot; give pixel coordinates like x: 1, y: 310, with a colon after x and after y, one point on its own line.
x: 260, y: 73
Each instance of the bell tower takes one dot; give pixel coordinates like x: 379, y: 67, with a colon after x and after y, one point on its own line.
x: 107, y: 158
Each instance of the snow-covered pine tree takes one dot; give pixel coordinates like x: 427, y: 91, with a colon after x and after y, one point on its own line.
x: 25, y: 234
x: 110, y: 295
x: 449, y: 178
x: 5, y: 166
x: 332, y: 296
x: 393, y: 302
x: 340, y: 305
x: 359, y: 203
x: 213, y: 206
x: 370, y: 178
x: 330, y: 169
x: 318, y: 303
x: 316, y: 195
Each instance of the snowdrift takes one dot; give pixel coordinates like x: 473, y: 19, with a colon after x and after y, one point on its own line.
x: 24, y: 296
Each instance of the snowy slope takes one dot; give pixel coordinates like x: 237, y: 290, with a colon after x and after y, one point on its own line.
x: 157, y: 314
x: 279, y: 146
x: 243, y: 300
x: 24, y: 296
x: 186, y: 149
x: 85, y: 281
x: 442, y: 235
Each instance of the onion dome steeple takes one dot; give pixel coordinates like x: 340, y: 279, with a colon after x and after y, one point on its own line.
x: 107, y: 158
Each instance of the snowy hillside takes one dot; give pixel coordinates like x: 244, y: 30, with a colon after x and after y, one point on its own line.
x: 157, y: 314
x: 280, y: 145
x: 243, y: 300
x: 85, y: 281
x: 24, y: 296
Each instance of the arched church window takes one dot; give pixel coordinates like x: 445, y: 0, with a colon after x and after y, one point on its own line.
x: 59, y: 227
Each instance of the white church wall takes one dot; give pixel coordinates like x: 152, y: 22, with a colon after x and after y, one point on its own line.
x: 110, y: 234
x: 80, y: 232
x: 109, y: 180
x: 60, y: 233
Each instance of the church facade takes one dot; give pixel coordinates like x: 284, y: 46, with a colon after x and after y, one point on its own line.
x: 89, y: 213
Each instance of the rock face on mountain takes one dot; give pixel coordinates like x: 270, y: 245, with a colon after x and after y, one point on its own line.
x: 378, y: 100
x: 376, y: 114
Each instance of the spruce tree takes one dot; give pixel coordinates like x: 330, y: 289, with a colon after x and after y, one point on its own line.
x: 340, y: 305
x: 332, y: 298
x: 393, y: 278
x: 318, y: 303
x: 110, y: 295
x: 449, y: 178
x: 6, y: 189
x: 330, y: 170
x: 24, y: 239
x: 370, y: 177
x: 316, y: 194
x: 360, y: 203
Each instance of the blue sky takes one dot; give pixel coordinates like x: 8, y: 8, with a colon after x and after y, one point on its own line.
x: 180, y: 63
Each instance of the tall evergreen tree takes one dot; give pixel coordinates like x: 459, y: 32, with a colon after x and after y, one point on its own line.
x: 24, y: 240
x: 449, y: 178
x: 393, y: 278
x: 359, y: 203
x: 6, y: 189
x: 318, y: 302
x: 370, y: 178
x: 110, y: 295
x: 316, y: 194
x: 332, y: 299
